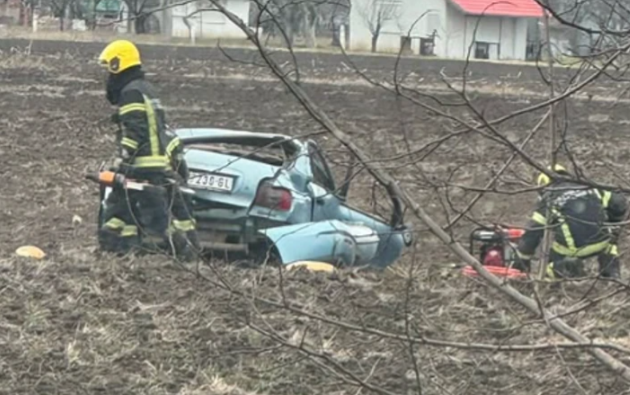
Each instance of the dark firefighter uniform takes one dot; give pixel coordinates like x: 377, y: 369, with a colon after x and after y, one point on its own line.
x: 576, y: 218
x: 181, y: 205
x: 143, y: 148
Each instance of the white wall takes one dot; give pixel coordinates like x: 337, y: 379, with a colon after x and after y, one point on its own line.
x: 510, y: 33
x: 456, y: 36
x: 455, y: 30
x: 407, y: 22
x: 209, y: 24
x: 360, y: 34
x: 508, y: 39
x: 520, y: 39
x: 421, y: 18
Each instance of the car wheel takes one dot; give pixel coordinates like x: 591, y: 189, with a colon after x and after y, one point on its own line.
x: 260, y: 252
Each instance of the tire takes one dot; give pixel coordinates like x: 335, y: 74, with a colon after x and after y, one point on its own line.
x: 258, y: 254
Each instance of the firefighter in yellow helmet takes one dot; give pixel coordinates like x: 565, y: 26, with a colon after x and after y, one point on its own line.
x: 577, y: 216
x: 147, y: 151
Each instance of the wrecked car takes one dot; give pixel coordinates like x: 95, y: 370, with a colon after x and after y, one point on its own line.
x: 258, y: 192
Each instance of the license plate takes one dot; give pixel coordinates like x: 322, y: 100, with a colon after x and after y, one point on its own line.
x: 211, y: 181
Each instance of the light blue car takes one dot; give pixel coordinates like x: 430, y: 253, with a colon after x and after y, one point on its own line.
x: 254, y: 191
x: 271, y: 195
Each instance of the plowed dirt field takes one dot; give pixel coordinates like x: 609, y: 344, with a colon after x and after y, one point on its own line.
x: 80, y: 322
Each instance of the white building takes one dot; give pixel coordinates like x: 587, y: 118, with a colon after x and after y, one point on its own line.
x: 489, y: 29
x: 204, y: 22
x: 207, y: 23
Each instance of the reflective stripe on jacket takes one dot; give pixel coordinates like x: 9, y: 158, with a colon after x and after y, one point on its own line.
x: 141, y: 118
x: 576, y: 217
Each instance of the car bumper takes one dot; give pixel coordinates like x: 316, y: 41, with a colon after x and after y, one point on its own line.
x: 231, y: 235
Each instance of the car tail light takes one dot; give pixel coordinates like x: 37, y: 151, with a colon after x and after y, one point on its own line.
x: 274, y: 198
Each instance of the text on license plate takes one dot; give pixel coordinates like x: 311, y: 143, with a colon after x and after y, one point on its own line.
x: 211, y: 181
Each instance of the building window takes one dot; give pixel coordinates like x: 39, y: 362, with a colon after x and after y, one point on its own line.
x: 482, y: 50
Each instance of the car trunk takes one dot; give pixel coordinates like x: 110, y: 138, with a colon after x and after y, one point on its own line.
x: 222, y: 204
x: 225, y: 181
x: 226, y: 173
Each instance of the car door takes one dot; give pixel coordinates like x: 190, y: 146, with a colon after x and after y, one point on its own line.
x: 322, y: 187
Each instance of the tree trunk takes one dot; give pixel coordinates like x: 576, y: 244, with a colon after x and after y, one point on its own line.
x: 288, y: 31
x: 130, y: 23
x: 93, y: 16
x: 309, y: 36
x: 68, y: 14
x: 191, y: 33
x: 23, y: 15
x: 375, y: 34
x: 336, y: 40
x: 139, y: 24
x: 166, y: 28
x: 293, y: 23
x: 309, y: 26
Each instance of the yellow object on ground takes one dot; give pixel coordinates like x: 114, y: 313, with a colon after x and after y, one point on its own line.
x: 30, y: 252
x: 313, y: 266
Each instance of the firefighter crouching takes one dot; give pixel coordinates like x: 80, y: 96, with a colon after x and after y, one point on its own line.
x: 142, y: 151
x: 576, y: 220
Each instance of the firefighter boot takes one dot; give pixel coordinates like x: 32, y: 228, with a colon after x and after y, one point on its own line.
x: 609, y: 265
x: 192, y: 237
x: 114, y: 241
x: 522, y: 263
x: 181, y: 248
x: 566, y: 267
x: 108, y: 240
x: 193, y: 248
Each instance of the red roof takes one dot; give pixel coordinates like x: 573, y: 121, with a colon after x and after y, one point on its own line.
x: 514, y: 8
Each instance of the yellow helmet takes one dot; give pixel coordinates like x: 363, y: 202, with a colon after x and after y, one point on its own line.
x: 119, y: 55
x: 543, y: 179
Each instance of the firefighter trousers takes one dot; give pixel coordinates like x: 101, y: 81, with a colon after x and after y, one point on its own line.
x: 124, y: 226
x: 182, y: 226
x: 572, y: 267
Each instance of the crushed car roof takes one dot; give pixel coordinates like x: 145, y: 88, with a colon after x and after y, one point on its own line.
x: 205, y: 133
x: 190, y: 136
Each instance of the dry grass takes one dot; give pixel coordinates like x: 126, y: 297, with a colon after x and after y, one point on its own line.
x: 81, y: 322
x: 132, y: 327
